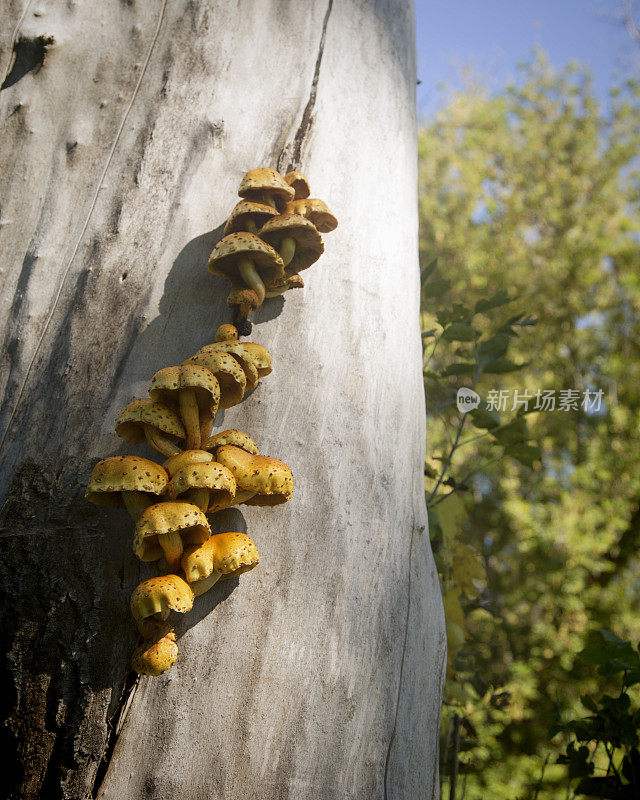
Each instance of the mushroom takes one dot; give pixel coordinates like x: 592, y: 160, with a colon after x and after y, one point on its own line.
x: 173, y: 464
x: 229, y: 373
x: 243, y: 256
x: 260, y: 481
x: 163, y: 528
x: 147, y: 419
x: 153, y: 599
x: 206, y: 484
x: 245, y: 301
x: 227, y: 333
x: 158, y: 653
x: 248, y: 216
x: 266, y: 186
x: 234, y: 437
x: 224, y: 555
x: 298, y: 183
x: 127, y: 482
x: 296, y: 240
x: 283, y: 285
x: 196, y: 391
x: 254, y: 359
x: 315, y: 211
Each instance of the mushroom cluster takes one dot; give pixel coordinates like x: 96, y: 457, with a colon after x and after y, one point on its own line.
x: 201, y: 475
x: 272, y: 234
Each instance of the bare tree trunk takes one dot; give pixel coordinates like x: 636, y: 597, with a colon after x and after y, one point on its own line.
x: 127, y: 127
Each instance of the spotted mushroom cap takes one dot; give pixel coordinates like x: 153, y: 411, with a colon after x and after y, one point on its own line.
x: 270, y: 479
x: 284, y: 284
x: 230, y: 375
x: 315, y: 211
x: 230, y: 554
x: 174, y: 463
x: 234, y: 437
x: 130, y: 421
x: 247, y: 354
x: 244, y: 299
x: 309, y: 245
x: 210, y: 475
x: 227, y: 254
x: 167, y: 382
x: 298, y: 183
x: 227, y: 333
x: 153, y: 599
x: 263, y: 179
x: 157, y: 654
x: 246, y: 211
x: 118, y: 474
x: 168, y: 517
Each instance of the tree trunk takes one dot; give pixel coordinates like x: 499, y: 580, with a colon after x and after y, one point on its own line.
x: 127, y: 127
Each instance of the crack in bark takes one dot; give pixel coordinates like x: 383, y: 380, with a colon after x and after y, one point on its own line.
x: 115, y: 725
x: 295, y: 148
x: 404, y: 653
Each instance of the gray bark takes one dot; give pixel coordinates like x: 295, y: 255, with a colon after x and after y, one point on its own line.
x: 126, y: 129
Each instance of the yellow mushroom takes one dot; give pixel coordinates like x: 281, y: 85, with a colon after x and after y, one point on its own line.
x: 164, y: 529
x: 248, y: 216
x: 315, y: 211
x: 295, y: 238
x: 243, y: 257
x: 206, y: 484
x: 260, y: 481
x: 234, y: 437
x: 224, y: 555
x: 153, y: 600
x: 195, y: 390
x: 127, y: 482
x: 298, y: 183
x: 230, y: 375
x: 265, y: 185
x: 147, y: 419
x: 156, y: 654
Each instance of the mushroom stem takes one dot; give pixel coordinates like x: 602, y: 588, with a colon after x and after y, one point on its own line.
x: 190, y: 414
x: 251, y: 277
x: 199, y: 497
x: 251, y: 226
x: 276, y: 292
x: 149, y: 611
x: 159, y: 442
x: 200, y: 587
x: 135, y: 503
x: 171, y: 545
x: 267, y: 199
x: 206, y: 423
x: 287, y: 249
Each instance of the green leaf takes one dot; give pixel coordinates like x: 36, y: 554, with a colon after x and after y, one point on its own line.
x: 502, y: 365
x: 485, y: 418
x: 429, y: 334
x: 500, y: 298
x: 459, y: 368
x: 492, y: 349
x: 513, y: 433
x: 526, y: 454
x: 436, y: 288
x: 460, y: 332
x: 428, y: 271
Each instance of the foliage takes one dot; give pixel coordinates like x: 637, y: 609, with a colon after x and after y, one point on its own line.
x: 535, y: 191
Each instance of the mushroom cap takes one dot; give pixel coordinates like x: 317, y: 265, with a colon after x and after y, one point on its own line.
x: 229, y: 373
x: 174, y: 463
x: 246, y: 211
x: 264, y: 179
x: 167, y: 382
x: 230, y: 554
x: 309, y: 245
x: 315, y: 211
x: 157, y: 654
x: 118, y: 474
x: 210, y: 475
x: 245, y: 299
x: 249, y: 355
x: 227, y: 333
x: 284, y: 284
x: 168, y: 517
x: 269, y: 479
x: 298, y: 183
x: 234, y: 437
x: 130, y: 421
x: 165, y: 593
x: 229, y: 251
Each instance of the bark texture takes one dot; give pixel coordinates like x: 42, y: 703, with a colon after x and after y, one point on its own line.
x: 126, y: 129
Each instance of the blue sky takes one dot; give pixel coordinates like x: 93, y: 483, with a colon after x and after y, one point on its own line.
x: 494, y: 35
